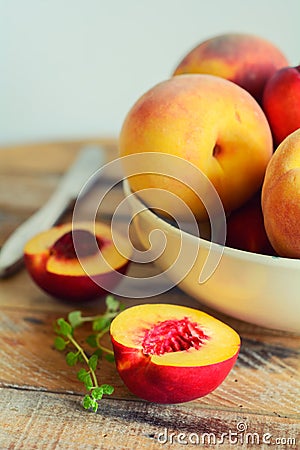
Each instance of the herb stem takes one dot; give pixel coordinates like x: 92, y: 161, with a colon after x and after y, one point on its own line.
x: 81, y: 351
x: 98, y: 339
x: 93, y: 318
x: 100, y: 326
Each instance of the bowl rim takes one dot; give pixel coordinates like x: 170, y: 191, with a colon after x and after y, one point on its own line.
x: 243, y: 255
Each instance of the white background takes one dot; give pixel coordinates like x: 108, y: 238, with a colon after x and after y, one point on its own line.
x: 73, y: 68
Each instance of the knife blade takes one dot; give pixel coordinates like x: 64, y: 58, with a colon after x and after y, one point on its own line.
x: 88, y: 161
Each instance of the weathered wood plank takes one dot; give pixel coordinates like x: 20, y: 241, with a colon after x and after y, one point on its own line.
x: 27, y: 181
x: 262, y: 391
x: 47, y: 157
x: 259, y: 383
x: 16, y: 206
x: 39, y: 421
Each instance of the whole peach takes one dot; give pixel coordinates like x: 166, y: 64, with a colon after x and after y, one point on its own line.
x: 281, y: 102
x: 245, y: 59
x: 281, y: 197
x: 208, y: 122
x: 245, y: 228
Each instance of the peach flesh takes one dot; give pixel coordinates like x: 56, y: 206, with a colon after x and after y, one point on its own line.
x: 149, y: 344
x: 53, y: 263
x: 179, y: 335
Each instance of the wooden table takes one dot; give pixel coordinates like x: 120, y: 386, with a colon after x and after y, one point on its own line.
x: 40, y: 401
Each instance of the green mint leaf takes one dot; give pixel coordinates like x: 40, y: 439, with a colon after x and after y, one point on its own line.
x: 97, y: 393
x: 112, y: 304
x: 75, y: 318
x: 101, y: 323
x: 95, y: 406
x: 121, y: 307
x: 92, y: 340
x: 60, y: 343
x: 88, y: 382
x: 110, y: 358
x: 107, y: 389
x: 81, y: 374
x: 80, y: 358
x: 72, y: 358
x: 87, y: 402
x: 85, y: 377
x: 64, y: 328
x: 93, y: 362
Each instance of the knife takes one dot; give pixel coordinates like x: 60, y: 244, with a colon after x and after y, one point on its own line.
x: 88, y: 161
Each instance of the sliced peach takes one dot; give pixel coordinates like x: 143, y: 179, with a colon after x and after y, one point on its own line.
x: 77, y: 264
x: 171, y: 354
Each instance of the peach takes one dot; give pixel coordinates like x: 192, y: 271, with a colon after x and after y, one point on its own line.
x: 246, y: 230
x: 281, y: 102
x: 53, y: 259
x: 245, y: 59
x: 171, y: 354
x: 207, y: 121
x: 281, y: 197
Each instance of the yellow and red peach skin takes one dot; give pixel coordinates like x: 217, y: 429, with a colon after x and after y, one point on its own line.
x: 245, y: 59
x: 281, y: 102
x: 206, y: 121
x: 281, y: 197
x: 168, y: 353
x: 54, y: 265
x: 167, y: 384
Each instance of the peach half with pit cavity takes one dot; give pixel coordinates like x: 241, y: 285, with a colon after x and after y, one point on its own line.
x: 172, y: 354
x: 75, y: 264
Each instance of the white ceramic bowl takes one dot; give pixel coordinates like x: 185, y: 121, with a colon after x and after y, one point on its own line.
x: 260, y: 289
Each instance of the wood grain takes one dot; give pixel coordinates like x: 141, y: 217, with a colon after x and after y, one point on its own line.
x: 43, y: 420
x: 40, y: 396
x: 265, y: 379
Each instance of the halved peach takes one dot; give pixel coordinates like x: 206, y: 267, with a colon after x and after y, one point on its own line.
x: 76, y: 263
x: 171, y: 354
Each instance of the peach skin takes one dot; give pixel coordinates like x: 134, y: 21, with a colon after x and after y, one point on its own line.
x: 245, y: 59
x: 281, y: 102
x: 281, y: 197
x: 54, y: 259
x: 207, y: 121
x: 170, y: 353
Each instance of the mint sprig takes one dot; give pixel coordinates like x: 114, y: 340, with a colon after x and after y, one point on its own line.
x: 76, y: 354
